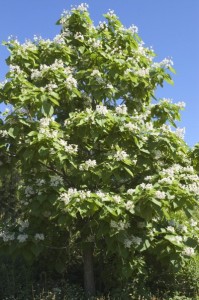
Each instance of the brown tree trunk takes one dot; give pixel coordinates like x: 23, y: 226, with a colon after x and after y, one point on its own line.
x: 89, y: 282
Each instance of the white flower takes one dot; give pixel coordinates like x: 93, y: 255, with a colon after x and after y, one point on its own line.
x: 113, y: 224
x: 3, y: 133
x: 133, y: 29
x: 166, y: 63
x: 100, y: 109
x: 182, y: 228
x: 160, y: 195
x: 180, y: 132
x: 136, y: 240
x: 82, y: 7
x: 71, y: 82
x: 142, y: 72
x: 79, y: 36
x: 109, y: 86
x: 56, y: 180
x: 88, y: 164
x: 121, y: 109
x: 111, y: 13
x: 188, y: 251
x: 7, y: 236
x: 130, y: 191
x: 120, y: 155
x: 39, y: 236
x: 45, y: 122
x: 170, y: 229
x: 22, y: 237
x: 127, y: 243
x: 96, y: 73
x: 117, y: 199
x: 129, y: 205
x: 193, y: 223
x: 29, y: 191
x: 181, y: 104
x: 147, y: 186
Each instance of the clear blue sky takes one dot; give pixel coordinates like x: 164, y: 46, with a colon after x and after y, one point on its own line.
x: 170, y: 26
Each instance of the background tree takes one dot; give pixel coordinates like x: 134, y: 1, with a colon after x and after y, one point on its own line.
x: 101, y: 169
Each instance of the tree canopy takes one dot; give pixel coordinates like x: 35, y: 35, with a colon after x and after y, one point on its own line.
x: 100, y: 159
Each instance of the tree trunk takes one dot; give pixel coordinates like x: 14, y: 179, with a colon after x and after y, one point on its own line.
x: 89, y: 282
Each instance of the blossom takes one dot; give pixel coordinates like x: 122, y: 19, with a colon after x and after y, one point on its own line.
x: 22, y: 237
x: 121, y: 109
x: 120, y: 155
x: 56, y: 180
x: 180, y: 132
x: 96, y: 73
x: 71, y: 82
x: 166, y: 63
x: 136, y: 240
x: 188, y: 251
x: 88, y: 164
x: 160, y: 195
x: 7, y: 236
x: 130, y: 191
x: 101, y: 109
x: 170, y: 229
x: 45, y: 122
x: 133, y: 29
x: 39, y: 236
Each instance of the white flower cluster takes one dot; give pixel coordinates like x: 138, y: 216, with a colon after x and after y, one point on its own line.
x: 29, y: 191
x: 133, y: 29
x: 40, y: 182
x: 119, y: 225
x: 166, y: 63
x: 134, y: 240
x: 181, y: 104
x: 82, y: 7
x: 39, y: 237
x: 88, y: 164
x: 23, y: 225
x: 45, y: 122
x: 71, y: 82
x: 188, y: 251
x: 180, y: 132
x: 96, y: 73
x: 50, y: 87
x: 7, y: 236
x: 49, y: 134
x: 69, y: 148
x: 121, y: 109
x: 142, y: 72
x: 130, y: 191
x: 146, y: 186
x: 95, y: 43
x: 66, y: 197
x: 129, y: 205
x: 22, y: 237
x: 56, y: 180
x: 131, y: 127
x: 111, y: 13
x: 101, y: 109
x: 3, y: 133
x: 79, y: 36
x: 102, y: 25
x: 15, y: 69
x: 120, y: 155
x: 160, y: 195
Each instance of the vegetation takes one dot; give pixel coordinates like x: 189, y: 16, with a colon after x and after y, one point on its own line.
x: 105, y: 189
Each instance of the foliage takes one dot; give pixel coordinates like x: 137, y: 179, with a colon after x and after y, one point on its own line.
x: 99, y: 162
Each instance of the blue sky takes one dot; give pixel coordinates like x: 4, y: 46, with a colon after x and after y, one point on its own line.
x: 171, y: 27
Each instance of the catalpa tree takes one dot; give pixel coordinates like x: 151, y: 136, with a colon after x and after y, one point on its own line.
x: 98, y: 160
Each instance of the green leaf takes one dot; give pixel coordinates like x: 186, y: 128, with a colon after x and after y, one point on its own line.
x: 47, y: 109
